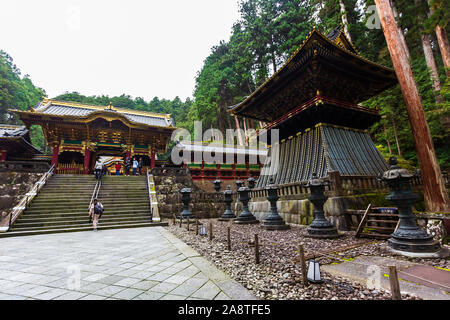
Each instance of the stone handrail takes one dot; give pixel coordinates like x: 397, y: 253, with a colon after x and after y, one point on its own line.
x: 153, y: 199
x: 25, y: 201
x: 160, y: 171
x: 26, y: 166
x: 339, y: 186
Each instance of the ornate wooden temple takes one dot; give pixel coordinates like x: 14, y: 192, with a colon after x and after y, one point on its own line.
x: 79, y: 133
x: 243, y: 161
x: 313, y: 99
x: 17, y: 152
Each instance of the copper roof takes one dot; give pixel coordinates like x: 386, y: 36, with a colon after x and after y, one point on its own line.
x: 333, y: 60
x: 58, y: 108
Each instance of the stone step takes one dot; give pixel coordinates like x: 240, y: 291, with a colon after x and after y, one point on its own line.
x: 84, y: 216
x: 375, y: 235
x: 88, y: 195
x: 85, y: 204
x: 63, y: 205
x: 383, y: 221
x: 58, y: 223
x: 86, y: 201
x: 85, y: 209
x: 85, y: 224
x: 78, y: 229
x: 80, y: 214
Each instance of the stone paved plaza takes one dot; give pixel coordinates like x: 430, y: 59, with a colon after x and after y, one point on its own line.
x: 130, y: 264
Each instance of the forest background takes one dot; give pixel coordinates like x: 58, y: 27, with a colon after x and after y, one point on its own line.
x: 266, y: 34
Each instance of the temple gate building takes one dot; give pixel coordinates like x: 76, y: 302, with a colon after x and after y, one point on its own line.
x: 313, y: 99
x: 17, y: 152
x: 79, y: 133
x: 237, y: 162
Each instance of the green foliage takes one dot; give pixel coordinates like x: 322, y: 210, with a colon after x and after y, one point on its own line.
x: 269, y: 31
x: 176, y: 107
x: 265, y: 35
x: 17, y: 92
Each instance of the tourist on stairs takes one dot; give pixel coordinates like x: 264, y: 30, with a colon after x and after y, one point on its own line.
x: 95, y: 212
x: 98, y: 168
x: 140, y: 166
x: 127, y: 166
x: 135, y: 165
x: 117, y: 168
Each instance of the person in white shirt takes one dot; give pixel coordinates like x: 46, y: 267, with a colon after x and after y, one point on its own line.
x: 98, y: 168
x: 135, y: 166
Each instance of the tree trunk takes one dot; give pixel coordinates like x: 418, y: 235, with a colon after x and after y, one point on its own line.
x: 444, y: 46
x: 429, y: 58
x: 229, y: 122
x: 431, y: 64
x: 387, y: 140
x: 397, y: 143
x: 344, y: 20
x: 435, y: 193
x: 238, y: 128
x: 400, y: 31
x: 245, y: 131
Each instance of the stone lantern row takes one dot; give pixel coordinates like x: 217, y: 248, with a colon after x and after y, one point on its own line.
x: 408, y: 239
x: 320, y: 227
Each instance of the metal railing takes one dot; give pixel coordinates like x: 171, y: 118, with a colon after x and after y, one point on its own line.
x: 29, y: 196
x: 97, y: 187
x: 149, y: 194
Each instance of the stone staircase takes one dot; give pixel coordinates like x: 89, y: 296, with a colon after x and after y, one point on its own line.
x: 62, y: 205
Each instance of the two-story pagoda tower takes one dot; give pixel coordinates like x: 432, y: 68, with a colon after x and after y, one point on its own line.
x: 313, y: 99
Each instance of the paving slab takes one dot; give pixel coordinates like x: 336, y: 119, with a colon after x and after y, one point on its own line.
x: 428, y: 276
x: 373, y: 270
x: 132, y: 264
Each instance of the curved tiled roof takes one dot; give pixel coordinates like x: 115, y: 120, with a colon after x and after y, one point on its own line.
x: 7, y: 131
x: 60, y: 108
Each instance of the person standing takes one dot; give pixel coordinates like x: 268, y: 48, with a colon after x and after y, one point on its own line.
x: 135, y: 166
x: 140, y: 166
x: 98, y: 168
x: 127, y: 166
x: 95, y: 212
x: 118, y: 168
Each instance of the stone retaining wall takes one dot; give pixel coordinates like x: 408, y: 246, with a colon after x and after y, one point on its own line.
x: 168, y: 184
x: 301, y: 211
x: 12, y: 186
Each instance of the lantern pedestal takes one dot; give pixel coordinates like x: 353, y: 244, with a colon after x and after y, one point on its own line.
x: 186, y: 199
x: 274, y: 221
x: 246, y: 217
x: 320, y: 227
x: 228, y: 214
x: 409, y: 239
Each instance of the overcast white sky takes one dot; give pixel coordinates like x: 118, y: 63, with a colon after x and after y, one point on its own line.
x: 137, y: 47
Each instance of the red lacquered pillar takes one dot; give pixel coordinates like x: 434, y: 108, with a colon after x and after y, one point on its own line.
x: 152, y: 160
x: 87, y: 161
x: 55, y: 157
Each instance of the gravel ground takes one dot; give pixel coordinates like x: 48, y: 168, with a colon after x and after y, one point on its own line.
x: 278, y: 276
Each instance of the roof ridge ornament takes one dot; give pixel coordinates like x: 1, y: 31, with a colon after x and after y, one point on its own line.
x: 111, y: 107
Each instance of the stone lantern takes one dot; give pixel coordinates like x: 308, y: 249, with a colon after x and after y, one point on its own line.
x: 409, y: 239
x: 320, y: 227
x: 251, y: 182
x: 217, y: 183
x: 239, y: 184
x: 274, y: 220
x: 186, y: 199
x: 246, y: 217
x: 228, y: 214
